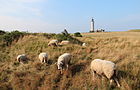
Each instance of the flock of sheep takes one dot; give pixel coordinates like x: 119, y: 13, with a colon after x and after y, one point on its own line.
x: 97, y: 66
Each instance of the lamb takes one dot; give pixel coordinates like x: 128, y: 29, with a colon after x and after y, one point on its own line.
x: 104, y: 67
x: 53, y: 43
x: 22, y: 58
x: 65, y: 42
x: 43, y: 57
x: 63, y: 61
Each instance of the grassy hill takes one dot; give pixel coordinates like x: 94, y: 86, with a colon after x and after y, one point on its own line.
x: 122, y: 48
x: 134, y: 30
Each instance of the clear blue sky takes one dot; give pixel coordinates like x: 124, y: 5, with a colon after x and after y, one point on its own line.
x: 55, y: 15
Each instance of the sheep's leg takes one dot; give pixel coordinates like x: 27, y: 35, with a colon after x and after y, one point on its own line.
x: 61, y: 71
x: 46, y: 60
x: 56, y: 44
x: 93, y: 75
x: 117, y: 82
x: 18, y: 60
x: 115, y: 78
x: 41, y: 61
x: 111, y: 81
x: 21, y: 61
x: 67, y: 66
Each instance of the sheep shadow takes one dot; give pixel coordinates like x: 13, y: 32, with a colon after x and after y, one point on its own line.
x: 128, y: 75
x: 76, y: 68
x: 50, y: 62
x: 24, y: 61
x: 124, y: 74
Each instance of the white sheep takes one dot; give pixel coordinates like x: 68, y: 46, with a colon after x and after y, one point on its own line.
x: 43, y: 57
x: 63, y: 61
x: 65, y: 42
x: 22, y: 58
x: 84, y: 44
x: 104, y: 67
x: 53, y: 43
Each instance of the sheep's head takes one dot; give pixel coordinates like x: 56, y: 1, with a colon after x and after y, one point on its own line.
x: 60, y: 65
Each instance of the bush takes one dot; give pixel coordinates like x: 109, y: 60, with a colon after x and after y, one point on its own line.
x: 8, y: 38
x: 62, y: 37
x: 51, y: 35
x: 2, y: 32
x: 77, y: 34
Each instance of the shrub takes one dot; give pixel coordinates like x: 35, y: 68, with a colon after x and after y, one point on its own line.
x: 77, y: 34
x: 2, y: 32
x: 51, y: 35
x: 61, y: 37
x: 34, y: 34
x: 8, y: 38
x: 68, y: 37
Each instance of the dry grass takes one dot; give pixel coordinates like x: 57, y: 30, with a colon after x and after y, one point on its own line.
x: 134, y: 30
x: 123, y: 48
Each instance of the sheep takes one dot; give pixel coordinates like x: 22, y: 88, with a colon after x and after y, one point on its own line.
x: 84, y: 44
x: 64, y: 42
x: 53, y: 43
x: 43, y: 57
x: 106, y: 68
x: 64, y: 61
x: 22, y: 58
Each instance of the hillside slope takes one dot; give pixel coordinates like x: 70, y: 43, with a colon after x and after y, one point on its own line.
x: 134, y: 30
x: 123, y: 48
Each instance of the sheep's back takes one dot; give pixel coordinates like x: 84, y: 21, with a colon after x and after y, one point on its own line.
x: 96, y: 65
x: 64, y: 42
x: 53, y: 41
x: 21, y: 57
x: 108, y: 68
x: 64, y: 58
x: 42, y: 55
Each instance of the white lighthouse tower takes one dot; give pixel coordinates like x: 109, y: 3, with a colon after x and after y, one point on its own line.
x: 92, y: 25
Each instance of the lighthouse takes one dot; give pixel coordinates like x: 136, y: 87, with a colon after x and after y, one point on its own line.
x: 92, y: 25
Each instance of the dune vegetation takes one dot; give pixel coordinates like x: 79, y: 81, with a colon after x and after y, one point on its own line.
x: 122, y: 48
x: 134, y: 30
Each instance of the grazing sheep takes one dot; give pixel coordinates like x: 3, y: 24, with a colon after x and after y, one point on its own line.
x: 63, y: 61
x: 64, y: 42
x: 22, y: 58
x: 53, y: 43
x: 43, y: 57
x: 106, y: 68
x: 84, y: 44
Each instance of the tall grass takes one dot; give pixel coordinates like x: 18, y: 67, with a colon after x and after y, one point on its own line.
x: 120, y: 47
